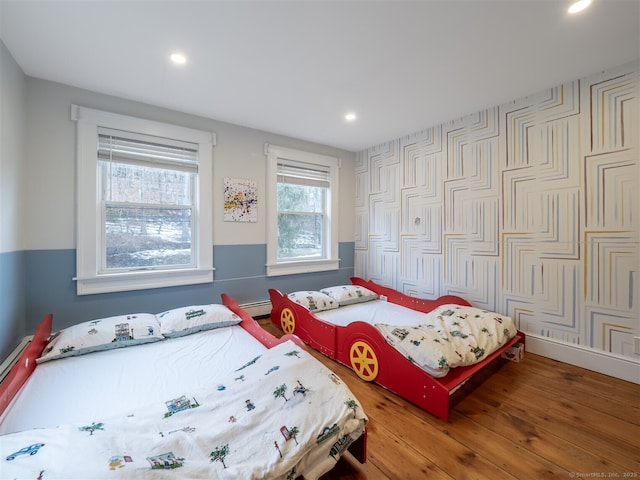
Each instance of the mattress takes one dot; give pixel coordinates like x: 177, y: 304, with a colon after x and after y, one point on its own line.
x: 372, y: 312
x: 112, y: 382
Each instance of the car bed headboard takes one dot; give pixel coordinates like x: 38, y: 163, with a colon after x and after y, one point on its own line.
x: 254, y: 328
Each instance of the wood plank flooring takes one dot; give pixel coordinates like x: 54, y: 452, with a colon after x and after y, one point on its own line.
x: 538, y: 419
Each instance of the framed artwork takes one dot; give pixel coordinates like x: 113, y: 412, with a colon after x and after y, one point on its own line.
x: 240, y: 200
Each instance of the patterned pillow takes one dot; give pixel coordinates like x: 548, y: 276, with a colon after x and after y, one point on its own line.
x: 195, y: 318
x: 314, y: 301
x: 349, y: 294
x: 102, y: 334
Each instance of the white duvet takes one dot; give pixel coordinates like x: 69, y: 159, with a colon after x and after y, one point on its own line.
x: 450, y: 336
x: 280, y: 414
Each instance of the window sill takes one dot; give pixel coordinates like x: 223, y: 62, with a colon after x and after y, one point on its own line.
x: 308, y: 266
x: 120, y: 282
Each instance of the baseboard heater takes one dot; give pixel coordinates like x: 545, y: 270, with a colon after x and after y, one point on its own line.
x: 13, y: 357
x: 257, y: 309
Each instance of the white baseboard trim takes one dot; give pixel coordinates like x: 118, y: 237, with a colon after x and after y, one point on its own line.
x: 257, y: 309
x: 607, y: 363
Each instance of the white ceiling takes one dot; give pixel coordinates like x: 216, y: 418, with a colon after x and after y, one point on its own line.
x: 295, y: 68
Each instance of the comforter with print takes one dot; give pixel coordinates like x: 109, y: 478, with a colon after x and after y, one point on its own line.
x: 450, y: 336
x: 280, y: 415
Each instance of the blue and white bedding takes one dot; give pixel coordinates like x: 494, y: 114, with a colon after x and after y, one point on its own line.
x: 278, y: 414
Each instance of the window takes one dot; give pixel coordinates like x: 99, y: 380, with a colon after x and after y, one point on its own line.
x: 144, y: 203
x: 302, y: 211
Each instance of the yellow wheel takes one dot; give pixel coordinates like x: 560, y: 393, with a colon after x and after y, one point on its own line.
x: 364, y: 361
x: 287, y: 320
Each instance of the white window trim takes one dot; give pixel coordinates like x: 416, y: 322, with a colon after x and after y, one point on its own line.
x: 331, y: 262
x: 88, y: 207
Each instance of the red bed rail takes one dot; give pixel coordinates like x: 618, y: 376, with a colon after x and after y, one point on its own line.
x: 26, y: 363
x: 254, y: 328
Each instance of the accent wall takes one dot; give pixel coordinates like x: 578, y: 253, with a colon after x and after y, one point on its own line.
x: 530, y: 208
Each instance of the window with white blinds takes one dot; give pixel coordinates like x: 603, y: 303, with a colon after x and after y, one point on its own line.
x: 302, y: 211
x: 303, y: 174
x: 148, y: 202
x: 144, y: 221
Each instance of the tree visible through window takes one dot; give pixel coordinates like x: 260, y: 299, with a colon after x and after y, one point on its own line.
x: 148, y: 204
x: 301, y: 218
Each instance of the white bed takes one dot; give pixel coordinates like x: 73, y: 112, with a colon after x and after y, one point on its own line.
x: 114, y: 381
x: 373, y: 312
x: 211, y: 404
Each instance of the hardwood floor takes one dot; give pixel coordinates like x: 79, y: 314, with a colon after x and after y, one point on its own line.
x: 531, y: 420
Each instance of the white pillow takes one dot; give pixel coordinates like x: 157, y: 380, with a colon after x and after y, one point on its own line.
x: 349, y: 294
x: 195, y: 318
x: 102, y: 334
x: 314, y: 301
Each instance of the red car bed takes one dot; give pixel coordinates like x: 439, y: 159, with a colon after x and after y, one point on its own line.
x: 368, y: 351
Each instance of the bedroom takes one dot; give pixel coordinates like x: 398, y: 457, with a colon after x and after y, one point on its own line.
x: 569, y: 307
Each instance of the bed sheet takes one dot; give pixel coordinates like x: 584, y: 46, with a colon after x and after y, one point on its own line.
x: 372, y: 312
x: 114, y: 381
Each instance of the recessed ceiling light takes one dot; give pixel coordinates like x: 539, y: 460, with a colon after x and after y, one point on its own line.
x: 579, y: 6
x: 178, y: 58
x: 350, y: 117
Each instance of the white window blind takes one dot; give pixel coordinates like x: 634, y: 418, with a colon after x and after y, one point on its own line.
x: 128, y: 147
x: 301, y: 174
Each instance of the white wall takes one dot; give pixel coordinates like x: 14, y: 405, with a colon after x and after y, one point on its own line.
x: 12, y: 96
x: 12, y: 139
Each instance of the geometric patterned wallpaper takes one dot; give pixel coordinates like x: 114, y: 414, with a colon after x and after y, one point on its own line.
x: 530, y: 209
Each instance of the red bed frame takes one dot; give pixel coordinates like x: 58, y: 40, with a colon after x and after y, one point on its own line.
x: 26, y: 363
x: 362, y: 347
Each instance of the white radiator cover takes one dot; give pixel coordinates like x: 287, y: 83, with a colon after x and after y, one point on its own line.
x: 257, y: 309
